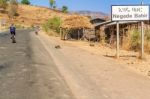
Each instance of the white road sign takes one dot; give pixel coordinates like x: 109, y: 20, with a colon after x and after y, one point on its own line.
x: 129, y: 13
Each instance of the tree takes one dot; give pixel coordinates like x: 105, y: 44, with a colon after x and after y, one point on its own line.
x: 52, y: 3
x: 27, y: 2
x: 13, y: 7
x: 3, y: 4
x: 65, y: 9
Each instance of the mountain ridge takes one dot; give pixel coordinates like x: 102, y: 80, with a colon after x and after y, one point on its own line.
x: 92, y: 14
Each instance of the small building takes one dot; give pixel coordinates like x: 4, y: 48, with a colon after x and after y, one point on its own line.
x: 74, y: 27
x: 95, y: 22
x: 107, y: 30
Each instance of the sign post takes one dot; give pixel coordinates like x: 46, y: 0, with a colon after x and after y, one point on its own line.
x: 142, y: 41
x: 130, y: 13
x: 117, y: 49
x: 142, y: 38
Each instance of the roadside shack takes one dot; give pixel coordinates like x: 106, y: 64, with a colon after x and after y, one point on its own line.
x: 107, y: 30
x: 74, y: 27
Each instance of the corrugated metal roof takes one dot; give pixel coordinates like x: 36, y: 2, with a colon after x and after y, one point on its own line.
x: 109, y: 23
x: 102, y: 23
x: 94, y: 18
x: 121, y: 22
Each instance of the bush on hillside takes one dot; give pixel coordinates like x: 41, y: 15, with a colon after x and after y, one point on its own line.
x: 52, y: 24
x: 26, y: 2
x: 3, y: 4
x: 65, y: 9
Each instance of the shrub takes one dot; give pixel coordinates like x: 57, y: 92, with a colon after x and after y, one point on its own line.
x: 46, y: 27
x: 26, y: 2
x: 65, y: 9
x: 3, y: 4
x: 147, y: 40
x: 147, y: 35
x: 135, y: 39
x: 132, y: 40
x: 52, y: 24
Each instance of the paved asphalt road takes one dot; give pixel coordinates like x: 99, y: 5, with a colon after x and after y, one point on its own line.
x: 34, y: 69
x: 27, y: 71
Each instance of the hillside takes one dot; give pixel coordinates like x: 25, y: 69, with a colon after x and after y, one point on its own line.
x: 30, y: 15
x: 92, y: 14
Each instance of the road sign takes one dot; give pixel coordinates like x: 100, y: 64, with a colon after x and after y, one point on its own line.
x: 130, y: 13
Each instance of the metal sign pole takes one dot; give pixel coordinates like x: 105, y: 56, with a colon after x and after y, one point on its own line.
x: 117, y: 49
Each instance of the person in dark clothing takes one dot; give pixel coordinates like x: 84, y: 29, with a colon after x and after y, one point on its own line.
x: 13, y: 29
x: 13, y: 33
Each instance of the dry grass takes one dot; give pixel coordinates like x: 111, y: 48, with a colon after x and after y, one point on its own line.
x: 76, y: 21
x: 30, y: 15
x: 133, y: 40
x: 127, y: 58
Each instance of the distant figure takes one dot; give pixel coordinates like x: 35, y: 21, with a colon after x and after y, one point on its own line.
x: 12, y: 30
x: 37, y: 29
x: 13, y: 33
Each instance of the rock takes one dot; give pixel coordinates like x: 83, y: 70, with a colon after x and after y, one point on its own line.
x: 132, y: 62
x: 92, y: 45
x: 57, y: 46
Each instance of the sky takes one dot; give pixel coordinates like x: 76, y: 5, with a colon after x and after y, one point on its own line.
x: 90, y: 5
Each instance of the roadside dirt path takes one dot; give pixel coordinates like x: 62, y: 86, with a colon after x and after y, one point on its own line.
x: 92, y: 76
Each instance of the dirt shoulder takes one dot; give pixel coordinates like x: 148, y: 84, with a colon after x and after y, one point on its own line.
x: 91, y: 75
x: 128, y: 58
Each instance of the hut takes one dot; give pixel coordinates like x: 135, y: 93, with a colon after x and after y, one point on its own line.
x: 74, y: 27
x: 107, y: 29
x: 100, y: 30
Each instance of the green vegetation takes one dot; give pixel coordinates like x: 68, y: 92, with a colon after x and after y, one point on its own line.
x: 52, y: 25
x: 132, y: 40
x: 27, y: 2
x: 147, y: 40
x: 147, y: 35
x: 65, y: 9
x: 52, y: 3
x: 12, y: 9
x: 135, y: 39
x: 3, y: 4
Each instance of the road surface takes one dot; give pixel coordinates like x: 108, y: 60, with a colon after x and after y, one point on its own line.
x: 27, y: 71
x: 34, y: 69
